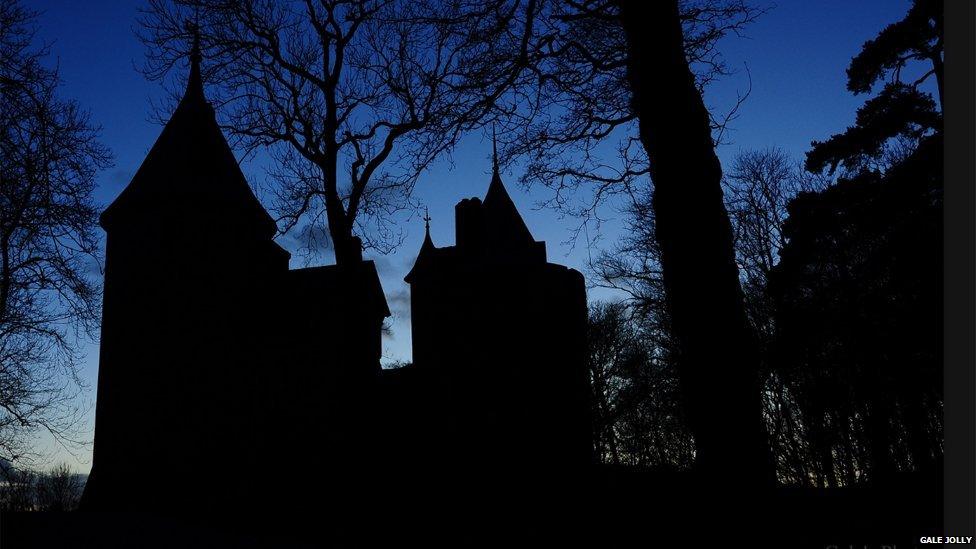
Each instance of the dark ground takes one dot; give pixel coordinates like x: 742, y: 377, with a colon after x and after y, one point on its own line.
x: 617, y: 508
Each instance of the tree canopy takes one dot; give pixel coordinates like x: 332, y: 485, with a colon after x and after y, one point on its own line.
x: 901, y: 109
x: 353, y: 99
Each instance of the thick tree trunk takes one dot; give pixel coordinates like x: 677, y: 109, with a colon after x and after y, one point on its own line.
x: 718, y: 355
x: 348, y: 248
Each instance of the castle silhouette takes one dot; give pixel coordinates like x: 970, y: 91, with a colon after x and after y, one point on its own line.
x: 218, y: 362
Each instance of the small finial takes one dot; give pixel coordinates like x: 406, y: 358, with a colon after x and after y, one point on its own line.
x: 194, y: 83
x: 428, y: 243
x: 194, y: 28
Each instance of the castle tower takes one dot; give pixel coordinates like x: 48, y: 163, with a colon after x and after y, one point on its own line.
x: 189, y: 259
x: 503, y: 331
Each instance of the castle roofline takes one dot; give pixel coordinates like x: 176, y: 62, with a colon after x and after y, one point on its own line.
x: 327, y: 279
x: 190, y: 164
x: 427, y: 251
x: 502, y: 216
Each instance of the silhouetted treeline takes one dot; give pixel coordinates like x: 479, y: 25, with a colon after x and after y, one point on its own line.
x: 636, y: 403
x: 841, y: 268
x: 843, y: 288
x: 58, y: 489
x: 858, y: 290
x: 858, y: 296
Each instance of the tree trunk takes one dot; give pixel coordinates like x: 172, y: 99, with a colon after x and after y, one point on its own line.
x: 717, y: 352
x: 348, y: 248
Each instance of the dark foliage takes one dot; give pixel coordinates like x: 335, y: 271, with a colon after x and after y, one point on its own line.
x: 900, y: 109
x: 858, y: 291
x: 859, y: 321
x: 917, y: 37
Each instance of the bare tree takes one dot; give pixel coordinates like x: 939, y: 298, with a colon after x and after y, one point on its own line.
x: 353, y: 98
x: 611, y: 342
x: 59, y: 489
x: 635, y: 394
x: 576, y: 126
x: 619, y: 104
x: 758, y: 187
x: 49, y: 154
x: 17, y: 488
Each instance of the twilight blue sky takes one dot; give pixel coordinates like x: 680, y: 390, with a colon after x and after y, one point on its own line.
x: 796, y: 56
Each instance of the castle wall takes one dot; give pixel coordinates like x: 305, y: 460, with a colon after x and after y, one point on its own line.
x: 182, y: 323
x: 216, y: 361
x: 509, y: 343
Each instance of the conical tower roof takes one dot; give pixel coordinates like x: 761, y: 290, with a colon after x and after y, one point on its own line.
x: 191, y: 163
x: 427, y: 251
x: 505, y: 223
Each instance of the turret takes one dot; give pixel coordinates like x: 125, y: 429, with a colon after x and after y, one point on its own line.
x: 190, y: 171
x: 189, y: 258
x: 500, y: 333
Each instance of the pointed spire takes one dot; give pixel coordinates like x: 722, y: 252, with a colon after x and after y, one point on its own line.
x: 496, y: 189
x: 494, y: 153
x: 191, y: 160
x: 194, y: 84
x: 428, y: 242
x: 427, y: 250
x: 499, y: 208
